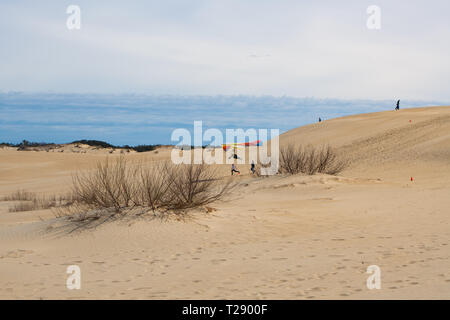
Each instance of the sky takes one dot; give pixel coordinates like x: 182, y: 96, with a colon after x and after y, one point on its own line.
x: 131, y: 119
x: 215, y: 48
x: 209, y: 47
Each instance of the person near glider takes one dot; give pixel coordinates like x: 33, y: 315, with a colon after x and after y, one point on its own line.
x: 398, y: 105
x: 234, y: 169
x: 234, y: 156
x: 252, y: 167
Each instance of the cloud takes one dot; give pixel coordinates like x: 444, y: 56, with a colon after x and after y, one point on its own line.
x: 231, y: 47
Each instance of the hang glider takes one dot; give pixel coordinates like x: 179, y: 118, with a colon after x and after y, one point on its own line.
x: 256, y: 143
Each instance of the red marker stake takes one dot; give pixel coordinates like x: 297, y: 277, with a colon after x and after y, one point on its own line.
x: 412, y: 179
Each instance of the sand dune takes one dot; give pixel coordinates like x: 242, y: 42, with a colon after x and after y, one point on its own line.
x: 282, y: 237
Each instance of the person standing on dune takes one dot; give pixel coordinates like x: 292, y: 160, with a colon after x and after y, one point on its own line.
x: 398, y: 105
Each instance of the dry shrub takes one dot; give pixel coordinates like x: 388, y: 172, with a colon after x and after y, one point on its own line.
x: 111, y: 185
x: 120, y: 185
x: 153, y: 187
x: 330, y: 162
x: 20, y: 195
x: 292, y: 159
x: 310, y: 160
x: 31, y: 201
x: 193, y: 185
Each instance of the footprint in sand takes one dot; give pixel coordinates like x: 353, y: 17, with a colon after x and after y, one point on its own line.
x: 19, y: 253
x: 141, y: 288
x: 216, y: 261
x: 316, y: 289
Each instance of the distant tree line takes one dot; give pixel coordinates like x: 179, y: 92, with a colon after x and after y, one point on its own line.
x: 25, y: 144
x: 93, y: 143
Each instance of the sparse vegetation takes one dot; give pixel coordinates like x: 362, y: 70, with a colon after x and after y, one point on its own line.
x: 20, y: 195
x: 102, y: 144
x: 112, y: 184
x: 145, y: 147
x: 27, y: 146
x: 29, y: 201
x: 310, y: 160
x: 191, y: 186
x: 94, y: 143
x: 120, y: 185
x: 154, y: 187
x: 117, y: 185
